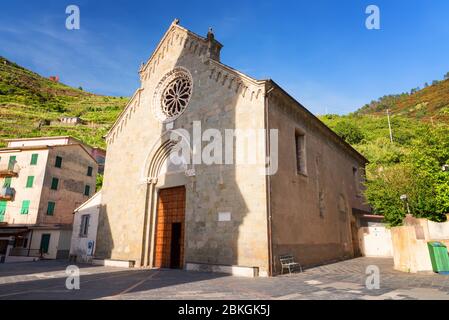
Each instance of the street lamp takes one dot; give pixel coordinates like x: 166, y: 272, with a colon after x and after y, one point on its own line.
x: 404, y: 198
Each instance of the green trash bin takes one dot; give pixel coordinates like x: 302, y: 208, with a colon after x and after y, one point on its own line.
x: 439, y: 257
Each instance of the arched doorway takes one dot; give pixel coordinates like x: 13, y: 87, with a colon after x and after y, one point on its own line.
x: 164, y: 231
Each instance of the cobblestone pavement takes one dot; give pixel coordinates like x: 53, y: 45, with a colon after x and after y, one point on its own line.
x: 339, y: 281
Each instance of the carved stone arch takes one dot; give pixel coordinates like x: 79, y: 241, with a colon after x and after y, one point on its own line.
x: 151, y: 172
x: 160, y: 151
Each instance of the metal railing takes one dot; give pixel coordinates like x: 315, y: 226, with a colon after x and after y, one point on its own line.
x: 9, y: 170
x: 7, y: 193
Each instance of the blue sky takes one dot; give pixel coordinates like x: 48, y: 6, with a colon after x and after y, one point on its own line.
x: 319, y: 51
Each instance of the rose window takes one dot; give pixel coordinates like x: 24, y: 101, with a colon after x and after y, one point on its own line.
x: 176, y: 97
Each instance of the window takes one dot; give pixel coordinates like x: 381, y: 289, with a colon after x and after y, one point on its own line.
x: 34, y: 158
x: 58, y: 162
x: 25, y: 207
x: 172, y: 95
x: 90, y: 171
x: 12, y: 162
x: 54, y: 184
x: 51, y: 208
x: 2, y: 210
x: 300, y: 153
x: 84, y: 228
x: 30, y: 182
x: 87, y: 191
x: 7, y: 183
x: 358, y: 180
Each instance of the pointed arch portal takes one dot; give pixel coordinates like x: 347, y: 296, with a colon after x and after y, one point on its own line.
x: 164, y: 223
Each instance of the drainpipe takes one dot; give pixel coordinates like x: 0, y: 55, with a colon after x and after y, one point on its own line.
x: 268, y: 187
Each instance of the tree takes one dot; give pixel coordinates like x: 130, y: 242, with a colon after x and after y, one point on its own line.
x: 418, y: 175
x: 446, y: 76
x: 349, y: 131
x: 99, y: 182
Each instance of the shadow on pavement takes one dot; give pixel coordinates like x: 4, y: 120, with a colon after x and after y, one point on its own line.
x: 111, y: 283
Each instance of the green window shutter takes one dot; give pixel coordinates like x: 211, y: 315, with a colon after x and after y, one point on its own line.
x: 54, y: 184
x: 3, y: 207
x: 30, y: 181
x: 87, y: 191
x: 25, y: 207
x: 34, y: 158
x: 12, y: 162
x: 7, y: 183
x: 45, y: 243
x: 58, y: 162
x: 90, y: 171
x: 51, y: 208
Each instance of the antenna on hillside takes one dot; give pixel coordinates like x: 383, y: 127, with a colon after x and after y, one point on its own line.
x: 389, y: 125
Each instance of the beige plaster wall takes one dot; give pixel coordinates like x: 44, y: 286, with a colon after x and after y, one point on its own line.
x: 13, y: 208
x: 72, y: 180
x: 311, y: 213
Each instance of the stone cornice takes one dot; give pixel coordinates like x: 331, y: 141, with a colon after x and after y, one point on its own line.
x: 234, y: 80
x: 122, y: 119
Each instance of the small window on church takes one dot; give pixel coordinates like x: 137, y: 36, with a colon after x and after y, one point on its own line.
x: 357, y: 181
x: 300, y: 141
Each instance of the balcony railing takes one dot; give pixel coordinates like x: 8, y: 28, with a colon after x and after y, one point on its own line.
x: 9, y: 170
x: 7, y: 194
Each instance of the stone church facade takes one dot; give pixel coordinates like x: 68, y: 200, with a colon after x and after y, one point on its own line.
x: 222, y: 215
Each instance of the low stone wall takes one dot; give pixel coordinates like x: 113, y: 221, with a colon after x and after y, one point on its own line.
x: 410, y: 250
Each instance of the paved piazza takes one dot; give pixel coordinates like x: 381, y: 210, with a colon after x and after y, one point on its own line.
x: 343, y: 280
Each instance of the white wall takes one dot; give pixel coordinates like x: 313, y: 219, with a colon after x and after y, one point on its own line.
x: 79, y: 244
x: 39, y: 142
x: 375, y: 241
x: 438, y: 231
x: 54, y: 242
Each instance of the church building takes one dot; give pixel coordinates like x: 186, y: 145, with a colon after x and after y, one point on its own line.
x: 209, y: 169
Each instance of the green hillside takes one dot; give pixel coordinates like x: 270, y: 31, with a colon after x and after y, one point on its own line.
x: 411, y: 164
x: 31, y: 106
x: 428, y: 104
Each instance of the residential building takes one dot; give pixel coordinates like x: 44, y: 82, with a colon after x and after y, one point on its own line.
x: 85, y: 225
x: 43, y: 180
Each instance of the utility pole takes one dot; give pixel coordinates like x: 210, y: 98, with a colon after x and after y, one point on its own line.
x: 389, y: 125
